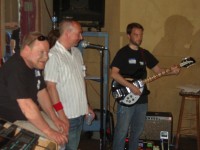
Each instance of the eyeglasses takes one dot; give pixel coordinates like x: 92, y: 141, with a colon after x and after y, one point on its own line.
x: 39, y: 38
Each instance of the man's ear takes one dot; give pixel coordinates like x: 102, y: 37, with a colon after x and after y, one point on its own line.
x: 67, y: 32
x: 26, y: 49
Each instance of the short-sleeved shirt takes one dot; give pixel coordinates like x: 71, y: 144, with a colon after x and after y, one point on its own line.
x: 133, y: 63
x: 18, y: 81
x: 67, y: 70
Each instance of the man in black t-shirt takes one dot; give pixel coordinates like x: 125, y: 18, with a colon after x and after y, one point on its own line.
x: 131, y: 62
x: 22, y: 89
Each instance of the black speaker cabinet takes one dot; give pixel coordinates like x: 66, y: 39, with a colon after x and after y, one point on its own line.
x: 156, y: 123
x: 90, y: 13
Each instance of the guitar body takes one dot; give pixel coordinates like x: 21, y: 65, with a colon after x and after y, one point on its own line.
x: 123, y: 95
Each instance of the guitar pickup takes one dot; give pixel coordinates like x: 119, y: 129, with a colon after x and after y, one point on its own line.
x: 117, y: 93
x: 128, y: 90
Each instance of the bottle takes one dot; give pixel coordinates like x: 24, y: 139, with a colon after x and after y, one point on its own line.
x: 61, y: 147
x: 89, y: 119
x: 156, y: 148
x: 149, y: 146
x: 54, y: 21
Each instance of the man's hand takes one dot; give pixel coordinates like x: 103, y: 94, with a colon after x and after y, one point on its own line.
x: 135, y: 90
x: 62, y: 123
x: 59, y: 138
x: 90, y: 110
x: 175, y: 70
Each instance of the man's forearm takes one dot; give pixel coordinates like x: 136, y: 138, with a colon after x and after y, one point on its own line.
x: 32, y: 113
x: 51, y: 87
x: 46, y: 104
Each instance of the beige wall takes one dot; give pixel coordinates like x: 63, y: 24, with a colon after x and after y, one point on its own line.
x: 172, y: 31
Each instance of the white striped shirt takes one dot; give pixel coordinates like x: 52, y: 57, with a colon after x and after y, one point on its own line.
x: 68, y: 71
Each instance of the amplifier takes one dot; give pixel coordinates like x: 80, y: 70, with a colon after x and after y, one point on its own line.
x: 156, y: 123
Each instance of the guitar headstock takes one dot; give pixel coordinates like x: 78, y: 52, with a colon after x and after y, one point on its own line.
x: 187, y: 62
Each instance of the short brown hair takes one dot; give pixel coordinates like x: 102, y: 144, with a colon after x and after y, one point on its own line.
x: 30, y: 37
x: 133, y: 25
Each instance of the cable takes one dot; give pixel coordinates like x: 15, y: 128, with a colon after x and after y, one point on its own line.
x: 47, y: 9
x: 113, y: 107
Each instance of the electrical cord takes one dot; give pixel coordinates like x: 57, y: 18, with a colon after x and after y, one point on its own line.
x: 45, y: 3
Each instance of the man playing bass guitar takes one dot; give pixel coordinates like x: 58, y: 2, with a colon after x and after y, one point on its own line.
x: 131, y: 61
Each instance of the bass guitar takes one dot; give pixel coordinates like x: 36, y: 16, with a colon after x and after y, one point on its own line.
x: 124, y: 96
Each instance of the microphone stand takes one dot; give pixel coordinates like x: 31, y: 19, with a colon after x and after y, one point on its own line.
x: 102, y: 111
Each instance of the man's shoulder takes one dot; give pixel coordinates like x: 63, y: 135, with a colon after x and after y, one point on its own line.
x: 14, y: 67
x: 144, y: 50
x: 54, y: 51
x: 15, y: 62
x: 124, y: 49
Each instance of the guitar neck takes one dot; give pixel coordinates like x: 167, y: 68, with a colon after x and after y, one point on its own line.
x: 157, y: 76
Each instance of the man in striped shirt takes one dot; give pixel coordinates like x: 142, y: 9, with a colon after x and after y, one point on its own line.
x: 64, y: 74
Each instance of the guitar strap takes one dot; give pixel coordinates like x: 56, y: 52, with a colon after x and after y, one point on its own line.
x: 141, y: 73
x: 142, y: 53
x: 145, y: 91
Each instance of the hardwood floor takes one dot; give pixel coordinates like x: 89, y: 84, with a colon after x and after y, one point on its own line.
x: 188, y: 143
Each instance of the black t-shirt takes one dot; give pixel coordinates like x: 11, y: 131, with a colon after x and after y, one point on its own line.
x: 133, y: 63
x: 17, y: 81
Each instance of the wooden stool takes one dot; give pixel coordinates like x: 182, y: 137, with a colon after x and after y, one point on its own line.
x: 190, y: 97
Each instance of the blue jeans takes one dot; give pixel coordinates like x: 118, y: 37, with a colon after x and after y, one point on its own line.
x: 129, y: 119
x: 76, y: 125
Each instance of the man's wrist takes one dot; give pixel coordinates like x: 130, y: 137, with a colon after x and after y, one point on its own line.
x: 47, y: 130
x: 58, y: 106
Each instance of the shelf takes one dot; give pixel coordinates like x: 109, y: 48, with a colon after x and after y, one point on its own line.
x: 94, y: 78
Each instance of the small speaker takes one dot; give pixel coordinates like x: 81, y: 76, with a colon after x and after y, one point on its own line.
x: 156, y: 123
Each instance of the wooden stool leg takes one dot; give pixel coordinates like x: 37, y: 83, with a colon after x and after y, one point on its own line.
x: 197, y: 120
x: 180, y: 122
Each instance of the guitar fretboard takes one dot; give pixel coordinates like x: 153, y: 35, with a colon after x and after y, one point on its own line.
x: 150, y: 79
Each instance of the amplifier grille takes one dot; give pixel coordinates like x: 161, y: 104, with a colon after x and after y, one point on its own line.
x: 155, y: 123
